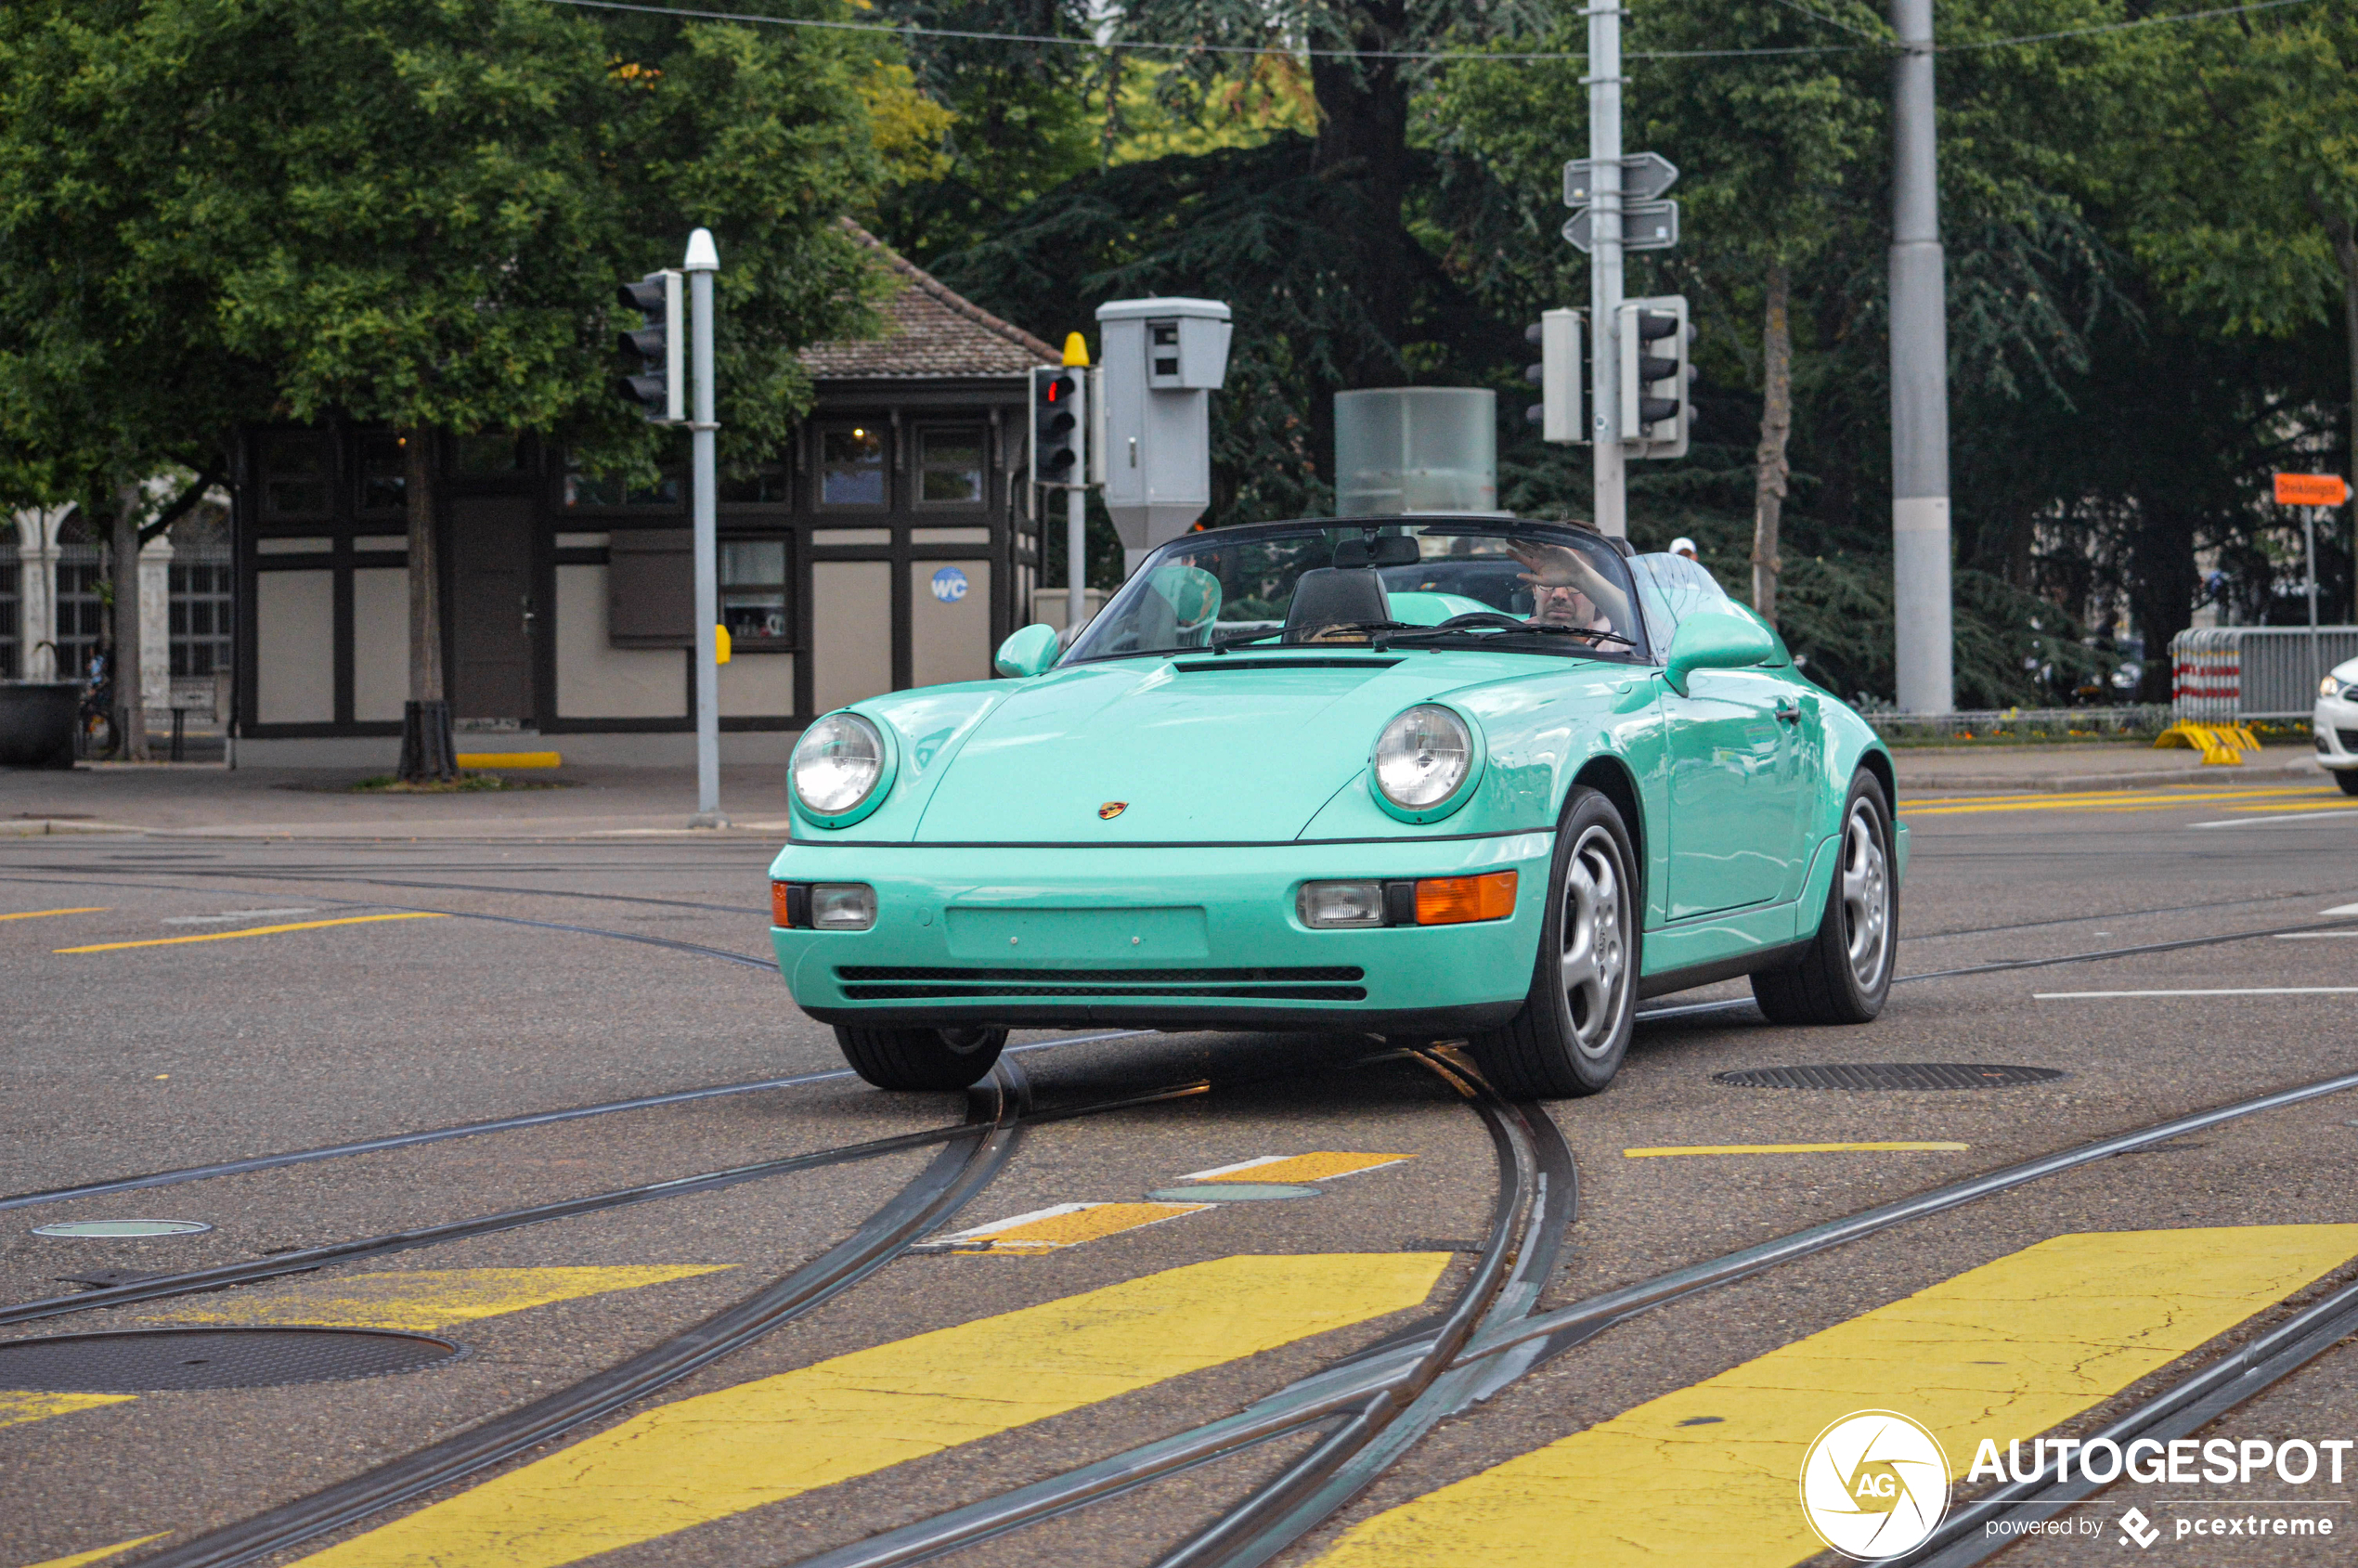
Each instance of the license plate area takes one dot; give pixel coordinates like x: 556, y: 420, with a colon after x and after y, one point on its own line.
x: 1024, y: 936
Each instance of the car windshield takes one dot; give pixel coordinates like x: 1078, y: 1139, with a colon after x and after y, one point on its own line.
x: 1532, y: 588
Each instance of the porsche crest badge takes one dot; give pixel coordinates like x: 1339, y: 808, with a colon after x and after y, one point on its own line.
x: 1111, y: 810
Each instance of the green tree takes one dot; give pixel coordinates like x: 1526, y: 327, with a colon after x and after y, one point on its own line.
x: 416, y: 212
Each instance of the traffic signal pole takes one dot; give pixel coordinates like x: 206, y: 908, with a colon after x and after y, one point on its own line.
x: 1921, y: 606
x: 1604, y: 265
x: 703, y: 260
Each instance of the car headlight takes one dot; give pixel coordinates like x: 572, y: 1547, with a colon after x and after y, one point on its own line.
x: 2329, y: 687
x: 1422, y: 756
x: 836, y: 764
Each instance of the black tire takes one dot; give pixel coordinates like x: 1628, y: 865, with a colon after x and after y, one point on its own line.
x: 1574, y: 1026
x: 921, y: 1059
x: 2348, y: 779
x: 1844, y: 974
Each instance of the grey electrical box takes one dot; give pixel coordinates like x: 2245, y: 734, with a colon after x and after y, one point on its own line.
x: 1158, y: 362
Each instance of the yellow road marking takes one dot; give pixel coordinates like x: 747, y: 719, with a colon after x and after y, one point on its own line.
x: 256, y: 931
x: 18, y: 1406
x: 37, y: 914
x: 510, y: 760
x: 720, y: 1454
x: 2246, y: 991
x: 1322, y: 1166
x: 1710, y: 1474
x: 2093, y: 803
x: 1066, y: 1225
x: 1786, y: 1148
x: 81, y: 1557
x: 2255, y: 792
x: 425, y: 1299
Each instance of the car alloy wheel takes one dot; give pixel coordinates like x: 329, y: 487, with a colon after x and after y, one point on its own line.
x: 1595, y: 961
x: 1866, y: 895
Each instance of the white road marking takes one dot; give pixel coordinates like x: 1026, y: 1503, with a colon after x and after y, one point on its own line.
x: 2340, y: 909
x: 228, y: 914
x: 2248, y: 991
x: 2307, y: 935
x: 2278, y: 817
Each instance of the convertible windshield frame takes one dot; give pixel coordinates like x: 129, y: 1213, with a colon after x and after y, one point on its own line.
x: 1149, y: 616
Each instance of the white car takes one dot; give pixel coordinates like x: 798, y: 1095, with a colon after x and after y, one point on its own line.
x: 2336, y: 721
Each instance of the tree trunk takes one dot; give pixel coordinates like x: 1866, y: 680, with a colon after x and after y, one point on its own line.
x: 130, y: 699
x: 2346, y: 255
x: 1363, y: 140
x: 1775, y: 428
x: 428, y: 753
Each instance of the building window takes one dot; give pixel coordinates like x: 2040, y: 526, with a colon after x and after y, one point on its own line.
x: 773, y: 486
x: 590, y: 489
x: 753, y: 591
x: 200, y: 618
x: 81, y: 612
x: 851, y: 466
x: 295, y: 470
x: 383, y: 480
x: 11, y: 619
x: 950, y: 467
x: 489, y: 453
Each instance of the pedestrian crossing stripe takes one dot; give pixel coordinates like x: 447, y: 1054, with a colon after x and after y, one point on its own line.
x: 19, y: 1405
x: 422, y: 1301
x: 1324, y: 1166
x: 1710, y: 1475
x: 715, y: 1455
x: 101, y: 1554
x: 1059, y: 1226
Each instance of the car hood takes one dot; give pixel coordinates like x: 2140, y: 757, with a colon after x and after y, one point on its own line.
x: 1206, y: 749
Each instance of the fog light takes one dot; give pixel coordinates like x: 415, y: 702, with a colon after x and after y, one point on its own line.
x: 1341, y: 904
x: 842, y: 906
x: 1453, y: 900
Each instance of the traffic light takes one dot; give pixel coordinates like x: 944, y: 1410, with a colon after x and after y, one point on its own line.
x: 1557, y: 374
x: 661, y: 389
x: 1059, y: 426
x: 1655, y: 411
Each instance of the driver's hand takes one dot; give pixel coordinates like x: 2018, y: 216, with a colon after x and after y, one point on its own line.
x: 1548, y: 566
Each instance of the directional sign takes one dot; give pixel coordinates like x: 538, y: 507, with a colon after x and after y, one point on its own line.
x: 1645, y: 226
x: 1644, y: 176
x: 2307, y: 489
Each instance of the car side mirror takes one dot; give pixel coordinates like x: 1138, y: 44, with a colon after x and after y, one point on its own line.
x: 1714, y: 640
x: 1028, y: 652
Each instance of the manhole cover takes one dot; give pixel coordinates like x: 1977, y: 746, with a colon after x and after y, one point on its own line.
x: 1886, y: 1075
x: 141, y: 1361
x: 123, y: 1227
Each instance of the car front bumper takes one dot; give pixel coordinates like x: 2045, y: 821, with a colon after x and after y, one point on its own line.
x: 2335, y: 723
x: 1189, y: 937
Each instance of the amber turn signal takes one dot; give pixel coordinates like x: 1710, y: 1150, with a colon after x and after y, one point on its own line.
x: 780, y: 914
x: 1453, y: 900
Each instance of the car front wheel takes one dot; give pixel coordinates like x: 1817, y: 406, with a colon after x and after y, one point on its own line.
x: 2348, y: 779
x: 1574, y: 1026
x: 921, y: 1059
x: 1844, y: 974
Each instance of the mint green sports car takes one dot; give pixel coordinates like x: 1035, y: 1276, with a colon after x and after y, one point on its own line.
x: 1425, y: 777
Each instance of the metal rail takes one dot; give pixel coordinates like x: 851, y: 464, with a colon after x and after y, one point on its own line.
x: 972, y: 1158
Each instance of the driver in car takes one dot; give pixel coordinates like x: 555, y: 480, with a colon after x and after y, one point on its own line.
x: 1567, y: 591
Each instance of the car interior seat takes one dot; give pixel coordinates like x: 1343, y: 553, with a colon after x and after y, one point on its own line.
x: 1332, y: 596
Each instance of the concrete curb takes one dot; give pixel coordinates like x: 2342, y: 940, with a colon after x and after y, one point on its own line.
x: 2034, y: 784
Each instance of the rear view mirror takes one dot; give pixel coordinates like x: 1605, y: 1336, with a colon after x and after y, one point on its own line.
x: 1028, y: 652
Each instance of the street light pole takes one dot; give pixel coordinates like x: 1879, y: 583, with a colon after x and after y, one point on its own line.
x: 703, y: 260
x: 1611, y: 464
x: 1922, y: 629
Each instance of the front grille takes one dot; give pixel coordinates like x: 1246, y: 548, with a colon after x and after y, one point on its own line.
x: 907, y: 992
x: 2348, y: 739
x: 1168, y: 977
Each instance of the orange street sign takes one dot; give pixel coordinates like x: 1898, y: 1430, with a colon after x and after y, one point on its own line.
x: 2311, y: 489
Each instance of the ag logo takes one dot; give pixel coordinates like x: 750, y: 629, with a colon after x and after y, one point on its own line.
x: 1874, y: 1485
x: 1111, y: 810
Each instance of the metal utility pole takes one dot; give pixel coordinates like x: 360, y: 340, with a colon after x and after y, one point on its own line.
x: 1920, y: 605
x: 703, y: 260
x: 1604, y: 264
x: 1076, y: 357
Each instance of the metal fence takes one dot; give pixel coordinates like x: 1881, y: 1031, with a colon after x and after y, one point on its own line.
x: 2223, y: 674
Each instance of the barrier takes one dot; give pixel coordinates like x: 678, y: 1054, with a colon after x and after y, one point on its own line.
x: 2221, y: 744
x: 2225, y: 674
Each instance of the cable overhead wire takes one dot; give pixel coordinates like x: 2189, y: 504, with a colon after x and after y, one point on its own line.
x: 1878, y: 44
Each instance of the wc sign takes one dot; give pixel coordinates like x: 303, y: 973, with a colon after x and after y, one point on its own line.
x: 949, y: 585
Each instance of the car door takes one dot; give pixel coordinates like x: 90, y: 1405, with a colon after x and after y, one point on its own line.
x: 1738, y: 788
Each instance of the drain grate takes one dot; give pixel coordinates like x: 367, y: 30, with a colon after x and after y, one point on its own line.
x: 141, y: 1361
x: 1887, y: 1075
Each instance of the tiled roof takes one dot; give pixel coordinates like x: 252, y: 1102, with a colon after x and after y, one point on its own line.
x: 929, y: 331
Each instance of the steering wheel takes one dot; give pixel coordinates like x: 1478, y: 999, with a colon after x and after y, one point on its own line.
x: 1481, y: 617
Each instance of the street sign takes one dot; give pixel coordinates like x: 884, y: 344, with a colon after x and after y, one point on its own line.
x: 1645, y: 226
x: 2306, y: 489
x: 1644, y: 176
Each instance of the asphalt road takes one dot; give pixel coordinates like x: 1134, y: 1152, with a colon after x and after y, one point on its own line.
x: 2166, y: 951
